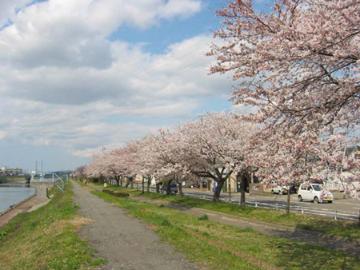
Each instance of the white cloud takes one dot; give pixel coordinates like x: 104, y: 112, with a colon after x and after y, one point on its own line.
x: 8, y: 9
x: 3, y: 135
x: 182, y: 8
x: 132, y: 79
x: 73, y: 33
x: 63, y: 83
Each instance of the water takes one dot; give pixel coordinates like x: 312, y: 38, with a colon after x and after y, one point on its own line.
x: 13, y: 195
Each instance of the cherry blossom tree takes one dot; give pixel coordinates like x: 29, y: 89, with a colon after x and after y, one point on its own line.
x: 112, y: 165
x: 79, y: 173
x: 299, y: 64
x: 119, y: 163
x: 145, y: 159
x: 338, y: 162
x: 215, y: 146
x: 171, y: 152
x: 287, y: 161
x: 96, y: 168
x: 298, y: 67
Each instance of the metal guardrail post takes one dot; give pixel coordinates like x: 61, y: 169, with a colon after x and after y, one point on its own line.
x: 335, y: 215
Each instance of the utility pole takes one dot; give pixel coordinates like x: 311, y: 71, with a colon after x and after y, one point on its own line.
x: 42, y: 171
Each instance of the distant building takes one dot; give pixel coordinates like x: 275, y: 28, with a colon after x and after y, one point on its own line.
x: 11, y: 171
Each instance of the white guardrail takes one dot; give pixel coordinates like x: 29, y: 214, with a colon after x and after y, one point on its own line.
x: 337, y: 215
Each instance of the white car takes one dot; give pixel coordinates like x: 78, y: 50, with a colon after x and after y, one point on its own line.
x: 314, y: 193
x: 279, y: 190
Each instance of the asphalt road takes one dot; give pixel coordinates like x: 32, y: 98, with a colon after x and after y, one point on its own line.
x: 348, y: 209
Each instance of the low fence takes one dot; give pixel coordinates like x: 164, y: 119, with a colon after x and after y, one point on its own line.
x: 55, y: 180
x: 281, y: 206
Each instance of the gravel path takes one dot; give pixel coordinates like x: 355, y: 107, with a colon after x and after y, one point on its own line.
x: 125, y: 242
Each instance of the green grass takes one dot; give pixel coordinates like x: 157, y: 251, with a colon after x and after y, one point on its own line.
x: 340, y: 229
x: 46, y: 238
x: 218, y: 246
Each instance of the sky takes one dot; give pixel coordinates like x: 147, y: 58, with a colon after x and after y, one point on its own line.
x: 80, y: 76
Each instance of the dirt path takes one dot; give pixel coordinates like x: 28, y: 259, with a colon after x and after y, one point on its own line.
x: 124, y: 241
x: 310, y: 237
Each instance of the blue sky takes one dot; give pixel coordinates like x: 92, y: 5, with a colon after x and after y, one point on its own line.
x: 158, y: 38
x: 77, y: 76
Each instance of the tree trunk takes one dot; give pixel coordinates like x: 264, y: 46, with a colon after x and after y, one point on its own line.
x: 117, y: 180
x: 180, y: 189
x: 157, y: 187
x: 143, y: 185
x: 220, y: 183
x: 229, y: 188
x: 168, y: 188
x: 148, y: 184
x: 242, y: 188
x: 101, y: 179
x: 242, y: 197
x: 131, y: 182
x: 288, y: 202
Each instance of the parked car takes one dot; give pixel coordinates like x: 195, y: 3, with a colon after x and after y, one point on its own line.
x: 315, y: 193
x: 279, y: 190
x: 169, y: 188
x: 293, y: 189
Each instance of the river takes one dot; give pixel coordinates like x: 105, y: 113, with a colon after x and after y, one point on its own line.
x: 13, y: 195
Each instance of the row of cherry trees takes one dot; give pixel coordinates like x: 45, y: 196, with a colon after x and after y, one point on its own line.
x: 214, y: 146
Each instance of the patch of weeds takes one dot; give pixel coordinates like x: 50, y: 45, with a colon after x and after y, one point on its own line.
x: 165, y: 222
x: 206, y: 234
x: 203, y: 217
x: 247, y: 229
x: 2, y: 234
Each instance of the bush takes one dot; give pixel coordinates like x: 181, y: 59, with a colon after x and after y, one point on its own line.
x: 116, y: 193
x: 203, y: 217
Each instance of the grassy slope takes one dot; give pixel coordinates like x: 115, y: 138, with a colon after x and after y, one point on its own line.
x: 347, y: 230
x: 220, y: 246
x: 46, y: 238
